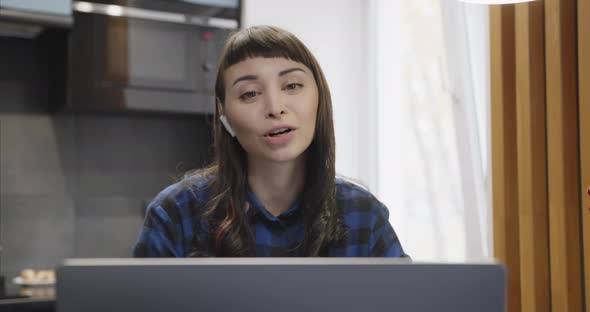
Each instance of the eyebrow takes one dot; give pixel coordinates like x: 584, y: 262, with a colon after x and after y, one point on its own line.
x: 281, y: 73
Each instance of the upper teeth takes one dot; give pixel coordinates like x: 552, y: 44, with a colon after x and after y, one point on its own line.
x: 279, y: 130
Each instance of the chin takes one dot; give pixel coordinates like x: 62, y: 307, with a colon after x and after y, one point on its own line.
x: 284, y: 156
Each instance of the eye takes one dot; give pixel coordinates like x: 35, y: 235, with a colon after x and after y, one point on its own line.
x: 248, y: 95
x: 293, y: 86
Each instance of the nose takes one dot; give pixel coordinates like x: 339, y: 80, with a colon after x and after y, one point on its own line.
x: 274, y: 105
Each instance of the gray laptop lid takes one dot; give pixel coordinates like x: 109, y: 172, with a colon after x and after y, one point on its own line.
x: 277, y: 284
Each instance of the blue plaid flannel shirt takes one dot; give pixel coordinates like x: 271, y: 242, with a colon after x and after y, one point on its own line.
x: 169, y: 225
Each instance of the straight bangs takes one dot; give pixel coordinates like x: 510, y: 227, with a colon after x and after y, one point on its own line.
x: 256, y: 43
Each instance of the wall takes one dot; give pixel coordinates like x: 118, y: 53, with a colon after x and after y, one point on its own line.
x: 76, y: 185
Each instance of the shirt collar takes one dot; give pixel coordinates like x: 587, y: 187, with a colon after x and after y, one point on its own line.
x: 256, y: 206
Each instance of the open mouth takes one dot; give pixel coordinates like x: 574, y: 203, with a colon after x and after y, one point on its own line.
x: 279, y: 132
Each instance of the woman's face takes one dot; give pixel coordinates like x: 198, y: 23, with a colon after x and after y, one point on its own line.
x: 271, y: 103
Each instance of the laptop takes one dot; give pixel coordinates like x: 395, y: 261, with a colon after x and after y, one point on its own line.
x: 278, y: 284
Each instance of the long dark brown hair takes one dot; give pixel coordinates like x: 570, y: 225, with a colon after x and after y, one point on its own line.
x: 228, y: 227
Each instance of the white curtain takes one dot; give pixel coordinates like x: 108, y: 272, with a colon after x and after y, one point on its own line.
x: 429, y: 61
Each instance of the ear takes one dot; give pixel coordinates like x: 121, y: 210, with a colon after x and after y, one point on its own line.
x: 219, y: 106
x: 223, y: 119
x: 227, y: 126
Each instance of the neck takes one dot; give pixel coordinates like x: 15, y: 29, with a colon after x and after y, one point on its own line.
x: 276, y: 184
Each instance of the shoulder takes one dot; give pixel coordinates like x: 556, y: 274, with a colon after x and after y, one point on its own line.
x: 350, y: 189
x: 181, y: 198
x: 366, y: 219
x: 169, y: 223
x: 354, y: 198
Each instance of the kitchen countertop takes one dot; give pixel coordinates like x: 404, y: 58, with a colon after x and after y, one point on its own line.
x: 37, y: 299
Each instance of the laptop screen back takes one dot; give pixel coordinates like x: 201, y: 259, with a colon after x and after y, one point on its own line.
x: 277, y: 284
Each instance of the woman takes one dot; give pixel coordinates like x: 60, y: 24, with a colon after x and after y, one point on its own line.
x: 272, y: 188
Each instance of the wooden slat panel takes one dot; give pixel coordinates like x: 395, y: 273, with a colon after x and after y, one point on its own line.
x: 505, y: 187
x: 562, y: 153
x: 584, y: 118
x: 532, y: 160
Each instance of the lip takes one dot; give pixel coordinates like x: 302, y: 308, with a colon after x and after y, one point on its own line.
x: 281, y: 139
x: 266, y: 134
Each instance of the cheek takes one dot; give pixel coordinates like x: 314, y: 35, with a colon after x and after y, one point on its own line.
x: 241, y: 121
x: 311, y: 113
x: 244, y: 126
x: 246, y: 138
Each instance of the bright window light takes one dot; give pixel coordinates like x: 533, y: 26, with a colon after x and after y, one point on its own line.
x: 83, y: 7
x: 114, y: 10
x: 495, y: 1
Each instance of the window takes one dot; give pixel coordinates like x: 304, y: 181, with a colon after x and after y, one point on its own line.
x: 432, y: 118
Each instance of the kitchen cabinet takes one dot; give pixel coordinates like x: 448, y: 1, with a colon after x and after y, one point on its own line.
x: 16, y: 14
x: 58, y: 7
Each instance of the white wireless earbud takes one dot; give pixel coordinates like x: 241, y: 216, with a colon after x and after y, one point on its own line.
x: 227, y: 126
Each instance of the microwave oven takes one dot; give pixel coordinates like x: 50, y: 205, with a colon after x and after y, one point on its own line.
x: 147, y: 55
